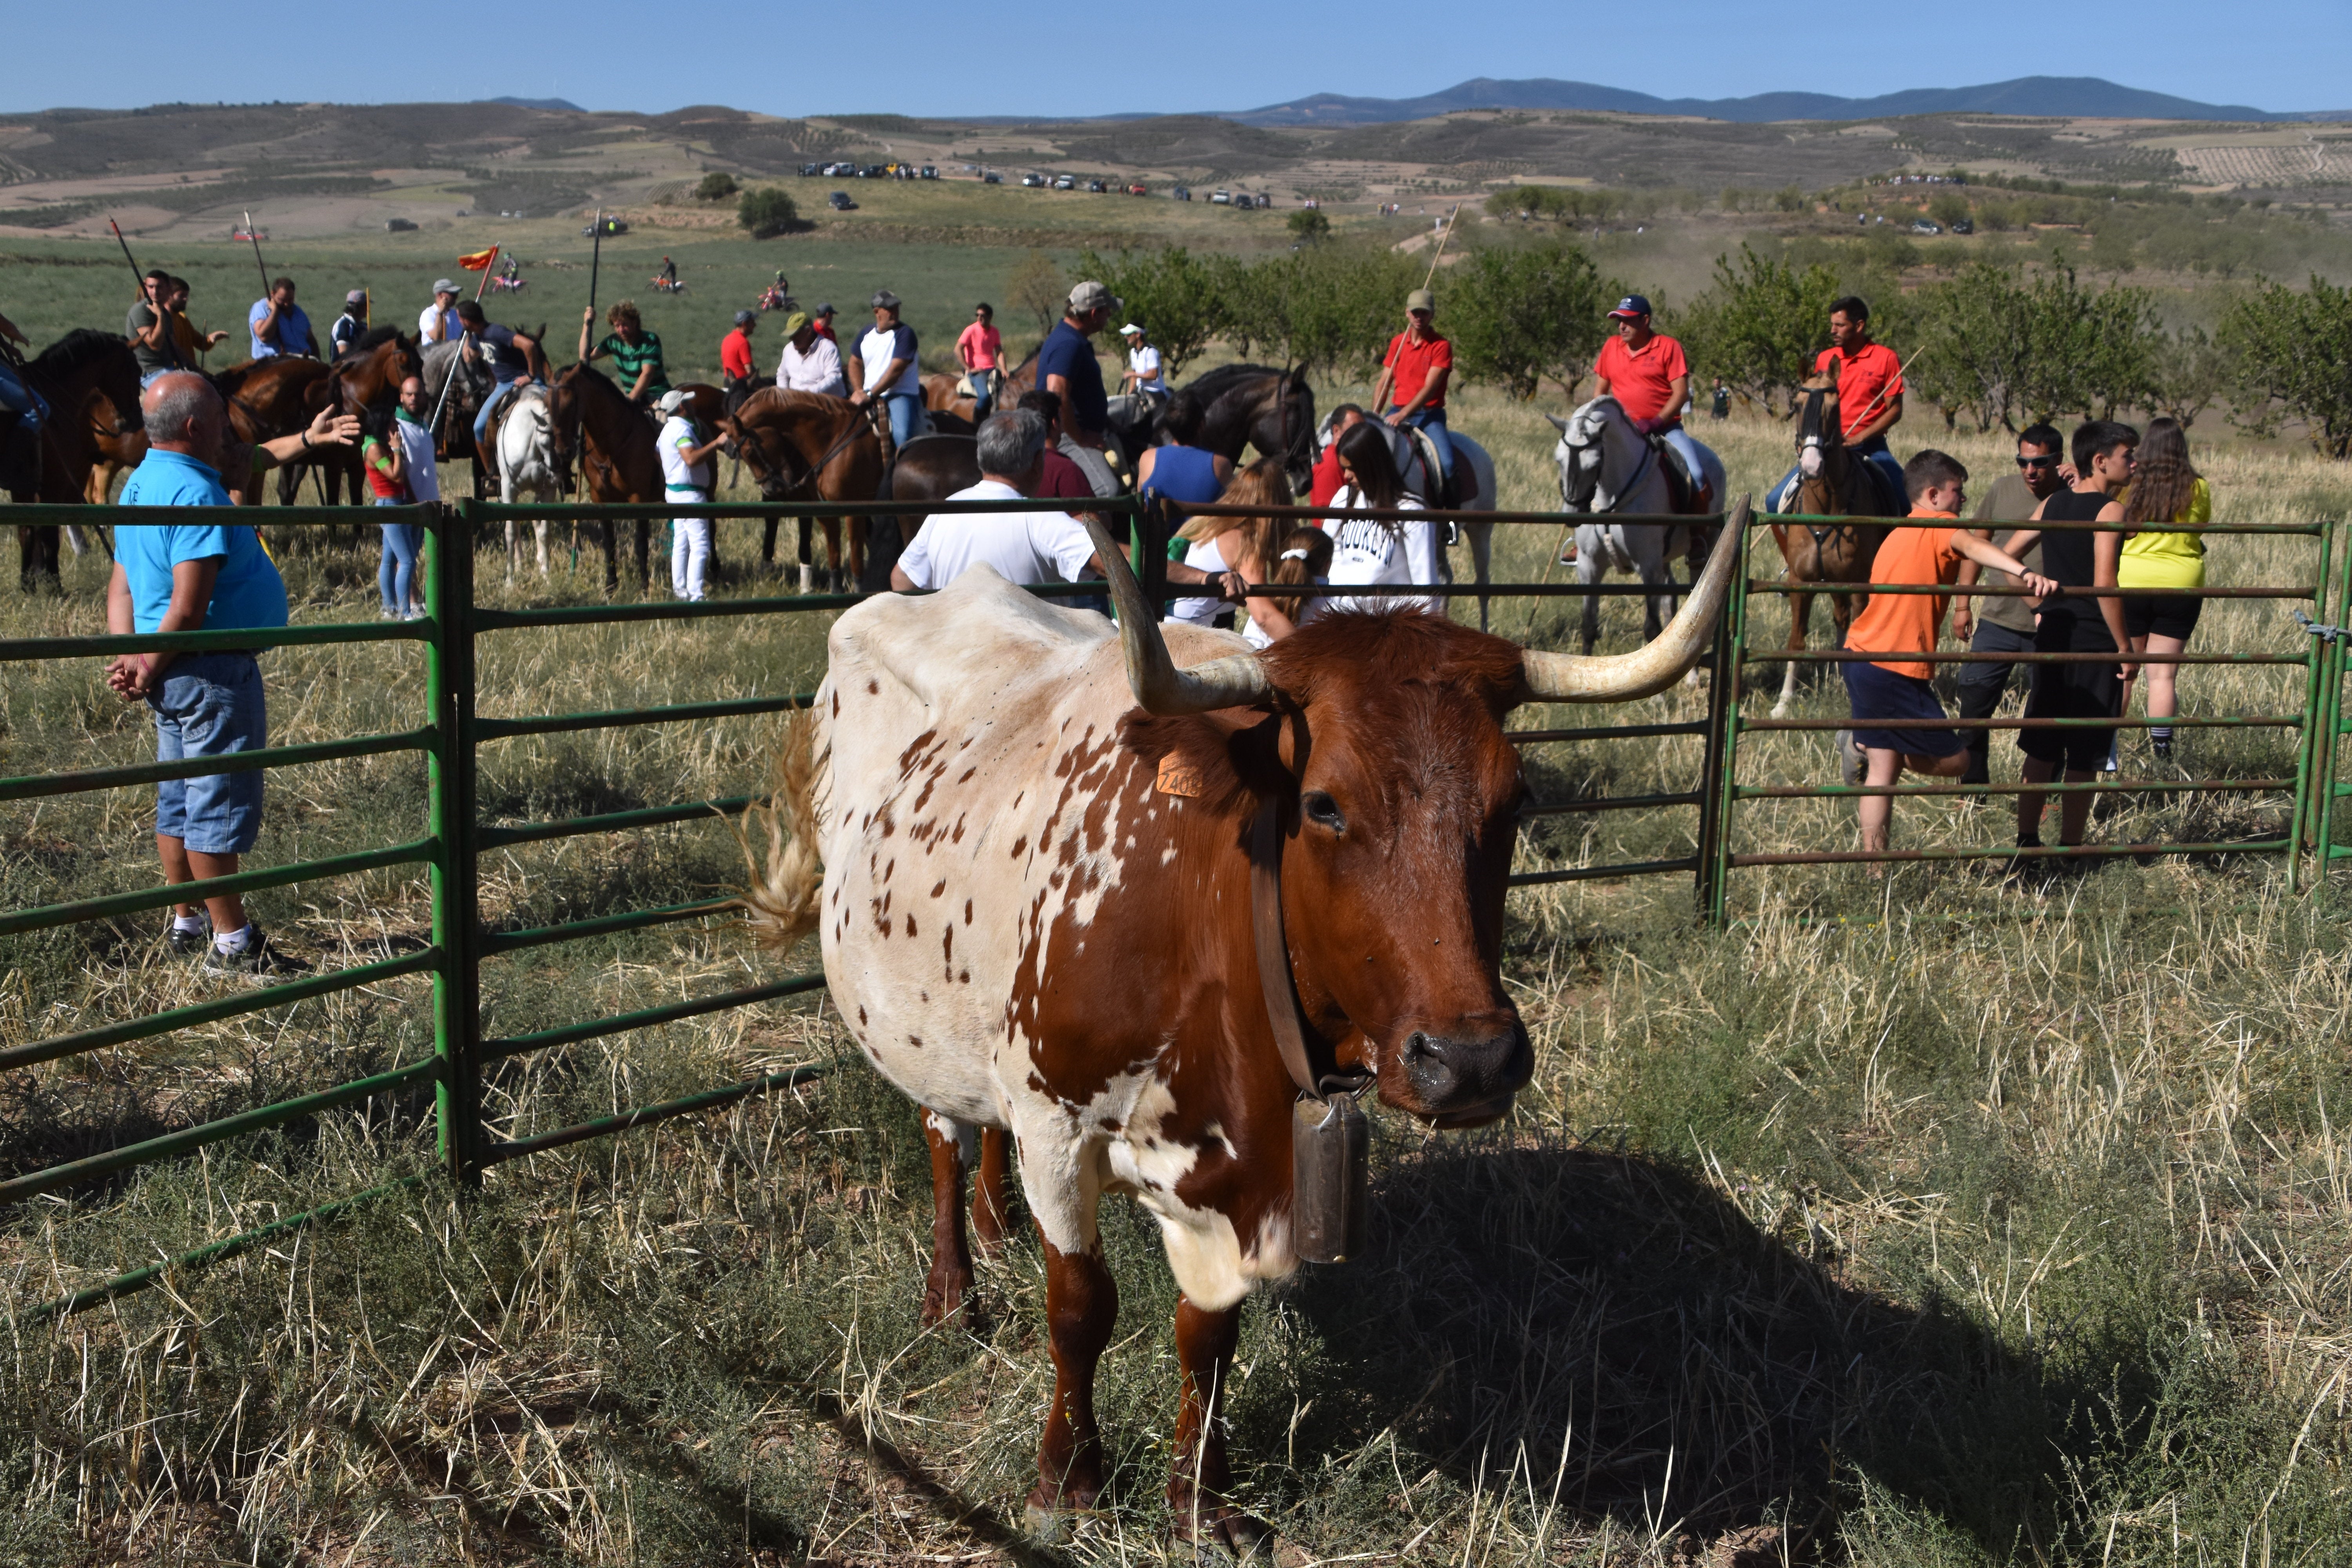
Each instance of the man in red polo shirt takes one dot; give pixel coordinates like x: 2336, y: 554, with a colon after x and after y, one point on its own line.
x: 735, y: 359
x: 1419, y: 364
x: 1646, y: 372
x: 1870, y: 399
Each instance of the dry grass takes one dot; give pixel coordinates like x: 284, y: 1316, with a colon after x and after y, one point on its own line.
x: 1919, y: 1222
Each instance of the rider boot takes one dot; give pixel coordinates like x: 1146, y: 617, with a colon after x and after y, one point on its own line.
x: 20, y: 456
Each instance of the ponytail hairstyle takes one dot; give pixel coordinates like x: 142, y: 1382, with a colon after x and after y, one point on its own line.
x: 1306, y: 556
x: 2165, y: 481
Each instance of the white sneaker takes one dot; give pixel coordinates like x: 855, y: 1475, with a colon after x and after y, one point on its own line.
x: 1854, y: 762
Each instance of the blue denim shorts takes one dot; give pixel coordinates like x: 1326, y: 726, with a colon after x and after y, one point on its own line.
x: 210, y: 705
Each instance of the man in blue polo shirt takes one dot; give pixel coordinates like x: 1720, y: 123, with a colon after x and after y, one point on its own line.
x: 197, y: 576
x: 1067, y: 365
x: 278, y: 325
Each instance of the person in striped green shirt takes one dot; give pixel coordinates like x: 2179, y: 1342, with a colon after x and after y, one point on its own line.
x: 635, y: 352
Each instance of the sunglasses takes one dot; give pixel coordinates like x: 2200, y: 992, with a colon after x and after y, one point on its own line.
x: 2036, y: 462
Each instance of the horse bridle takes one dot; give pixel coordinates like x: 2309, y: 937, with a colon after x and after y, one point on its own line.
x: 808, y: 481
x: 1641, y: 473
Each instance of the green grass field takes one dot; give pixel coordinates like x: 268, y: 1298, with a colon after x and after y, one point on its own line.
x: 1930, y: 1221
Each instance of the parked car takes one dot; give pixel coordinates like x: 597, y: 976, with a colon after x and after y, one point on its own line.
x: 839, y: 201
x: 992, y: 178
x: 1963, y: 226
x: 1065, y: 182
x: 397, y: 225
x: 611, y: 226
x: 1033, y: 181
x: 872, y: 172
x: 1137, y: 189
x: 809, y: 170
x: 930, y: 172
x: 1097, y: 187
x: 1925, y: 226
x: 1221, y: 198
x: 1181, y: 193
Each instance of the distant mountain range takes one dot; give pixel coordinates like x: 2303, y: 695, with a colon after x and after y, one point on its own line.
x: 538, y: 103
x: 2031, y: 96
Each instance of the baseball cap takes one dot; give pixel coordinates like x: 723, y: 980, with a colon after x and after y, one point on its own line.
x: 795, y: 322
x: 884, y: 300
x: 356, y: 297
x: 1092, y: 296
x: 671, y: 399
x: 744, y: 318
x: 824, y: 310
x: 1130, y: 330
x: 1421, y: 300
x: 1632, y: 305
x: 444, y: 286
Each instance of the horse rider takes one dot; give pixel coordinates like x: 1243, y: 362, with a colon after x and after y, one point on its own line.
x: 1142, y: 378
x: 821, y: 320
x: 1646, y: 372
x: 1870, y: 400
x: 735, y: 368
x: 515, y: 359
x: 885, y: 367
x: 510, y: 275
x: 25, y: 412
x: 981, y: 350
x: 149, y: 326
x: 438, y: 323
x: 634, y: 350
x: 350, y: 327
x: 278, y: 325
x: 1413, y: 372
x: 1067, y: 365
x: 811, y: 361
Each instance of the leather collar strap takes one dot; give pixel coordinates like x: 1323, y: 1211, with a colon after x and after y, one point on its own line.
x: 1273, y: 959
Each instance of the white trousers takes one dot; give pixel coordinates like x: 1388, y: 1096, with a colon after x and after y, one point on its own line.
x: 690, y: 556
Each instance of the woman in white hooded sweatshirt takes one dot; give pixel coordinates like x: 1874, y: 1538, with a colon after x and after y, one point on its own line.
x: 1371, y: 552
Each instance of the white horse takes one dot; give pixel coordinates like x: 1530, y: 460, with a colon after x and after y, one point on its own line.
x: 527, y: 465
x: 1607, y: 466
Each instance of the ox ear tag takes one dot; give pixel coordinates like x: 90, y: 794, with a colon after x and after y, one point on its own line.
x: 1330, y: 1178
x: 1175, y: 778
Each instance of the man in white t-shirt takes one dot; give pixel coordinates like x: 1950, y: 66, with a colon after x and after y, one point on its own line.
x: 438, y: 324
x: 886, y: 365
x: 687, y: 473
x: 1142, y: 365
x: 1024, y: 547
x: 811, y: 363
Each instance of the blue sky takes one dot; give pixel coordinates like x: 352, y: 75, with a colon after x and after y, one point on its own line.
x: 1061, y: 56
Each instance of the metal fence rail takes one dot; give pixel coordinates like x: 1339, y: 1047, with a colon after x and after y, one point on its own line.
x: 451, y: 735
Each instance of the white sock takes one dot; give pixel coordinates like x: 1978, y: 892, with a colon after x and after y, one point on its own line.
x: 234, y: 942
x: 188, y: 922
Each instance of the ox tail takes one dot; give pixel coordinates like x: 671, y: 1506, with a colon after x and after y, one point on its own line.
x: 782, y: 903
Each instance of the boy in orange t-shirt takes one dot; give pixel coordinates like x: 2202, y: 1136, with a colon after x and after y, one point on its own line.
x: 1896, y: 689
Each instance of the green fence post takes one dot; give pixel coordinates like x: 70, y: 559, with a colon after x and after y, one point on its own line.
x: 1720, y: 682
x: 457, y: 923
x: 1733, y: 675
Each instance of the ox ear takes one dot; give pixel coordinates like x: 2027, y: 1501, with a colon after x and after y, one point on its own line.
x: 1159, y: 687
x: 1558, y: 423
x: 1622, y: 677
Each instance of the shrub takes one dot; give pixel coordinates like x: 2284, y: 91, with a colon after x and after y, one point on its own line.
x: 1308, y: 226
x: 716, y: 187
x: 1521, y: 317
x: 766, y: 211
x: 2291, y: 350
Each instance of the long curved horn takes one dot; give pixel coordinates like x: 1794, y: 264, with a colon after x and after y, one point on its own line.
x: 1159, y: 687
x: 1622, y: 677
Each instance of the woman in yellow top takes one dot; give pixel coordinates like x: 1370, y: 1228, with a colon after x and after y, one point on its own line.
x: 2166, y: 568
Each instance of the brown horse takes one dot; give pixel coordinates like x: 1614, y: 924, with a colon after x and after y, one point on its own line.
x: 1831, y: 482
x: 83, y: 367
x: 594, y: 424
x: 267, y: 399
x: 941, y: 392
x: 807, y: 447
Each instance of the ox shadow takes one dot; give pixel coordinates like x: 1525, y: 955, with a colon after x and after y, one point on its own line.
x: 1702, y: 1372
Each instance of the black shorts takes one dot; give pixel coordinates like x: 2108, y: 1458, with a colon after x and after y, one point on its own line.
x: 1876, y: 693
x: 2085, y: 689
x: 2161, y: 615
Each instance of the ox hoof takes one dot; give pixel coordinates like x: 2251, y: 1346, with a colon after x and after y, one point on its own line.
x: 951, y: 1298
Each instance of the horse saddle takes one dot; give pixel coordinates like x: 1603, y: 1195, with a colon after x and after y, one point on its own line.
x: 1416, y: 459
x: 1684, y: 490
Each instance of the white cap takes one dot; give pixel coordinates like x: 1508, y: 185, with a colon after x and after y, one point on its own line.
x: 1130, y: 330
x: 670, y: 400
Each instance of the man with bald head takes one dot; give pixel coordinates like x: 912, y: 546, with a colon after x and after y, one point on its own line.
x: 190, y: 575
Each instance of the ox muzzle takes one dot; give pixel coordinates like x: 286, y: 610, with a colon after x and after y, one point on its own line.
x: 1467, y: 1078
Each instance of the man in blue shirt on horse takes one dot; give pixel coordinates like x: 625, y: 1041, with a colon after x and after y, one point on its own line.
x: 278, y: 325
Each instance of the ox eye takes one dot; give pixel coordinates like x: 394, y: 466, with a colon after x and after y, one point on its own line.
x: 1323, y: 810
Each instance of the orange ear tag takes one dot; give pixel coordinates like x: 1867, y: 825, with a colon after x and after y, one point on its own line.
x: 1177, y: 779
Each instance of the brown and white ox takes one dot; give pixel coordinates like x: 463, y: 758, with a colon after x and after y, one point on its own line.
x: 1036, y: 917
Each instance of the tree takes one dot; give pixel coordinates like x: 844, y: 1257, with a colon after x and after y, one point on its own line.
x: 1035, y: 286
x: 716, y: 187
x: 1970, y: 344
x: 766, y: 211
x: 1180, y: 301
x: 1521, y: 317
x: 1761, y: 325
x: 2188, y: 373
x: 1308, y: 226
x: 2291, y: 350
x: 1323, y: 308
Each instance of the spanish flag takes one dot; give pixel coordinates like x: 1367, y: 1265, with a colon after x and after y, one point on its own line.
x: 479, y: 261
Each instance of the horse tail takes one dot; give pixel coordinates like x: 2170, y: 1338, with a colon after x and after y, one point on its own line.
x: 782, y: 903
